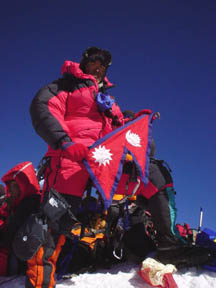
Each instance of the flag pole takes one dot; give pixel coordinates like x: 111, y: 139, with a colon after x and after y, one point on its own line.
x: 200, y: 220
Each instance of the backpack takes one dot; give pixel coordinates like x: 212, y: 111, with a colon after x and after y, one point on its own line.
x: 81, y: 255
x: 130, y: 230
x: 88, y: 249
x: 207, y: 239
x: 30, y: 237
x: 160, y: 174
x: 138, y: 241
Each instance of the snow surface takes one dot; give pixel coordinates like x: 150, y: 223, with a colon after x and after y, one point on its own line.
x: 125, y: 276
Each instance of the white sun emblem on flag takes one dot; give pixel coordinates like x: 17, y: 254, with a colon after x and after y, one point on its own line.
x: 133, y: 139
x: 102, y: 155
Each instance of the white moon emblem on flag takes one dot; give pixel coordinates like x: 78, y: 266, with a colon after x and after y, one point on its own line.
x: 102, y: 155
x: 133, y: 139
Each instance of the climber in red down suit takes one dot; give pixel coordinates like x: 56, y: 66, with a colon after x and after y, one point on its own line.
x: 21, y: 197
x: 70, y: 114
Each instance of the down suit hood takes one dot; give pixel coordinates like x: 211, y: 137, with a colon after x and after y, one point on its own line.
x: 24, y: 174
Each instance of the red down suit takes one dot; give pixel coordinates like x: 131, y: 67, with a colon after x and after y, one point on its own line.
x: 13, y: 216
x: 66, y: 110
x: 24, y: 174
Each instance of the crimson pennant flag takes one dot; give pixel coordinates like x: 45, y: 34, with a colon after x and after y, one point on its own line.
x: 106, y: 157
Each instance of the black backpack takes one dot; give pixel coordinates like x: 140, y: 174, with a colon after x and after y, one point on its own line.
x: 30, y: 237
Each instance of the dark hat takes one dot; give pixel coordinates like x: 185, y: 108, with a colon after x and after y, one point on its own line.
x: 95, y: 53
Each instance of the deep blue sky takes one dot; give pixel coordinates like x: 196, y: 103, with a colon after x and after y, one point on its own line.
x: 164, y: 58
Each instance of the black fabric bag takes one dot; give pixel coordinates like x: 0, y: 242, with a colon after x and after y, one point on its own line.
x: 139, y: 239
x: 29, y: 238
x: 54, y: 206
x: 75, y: 258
